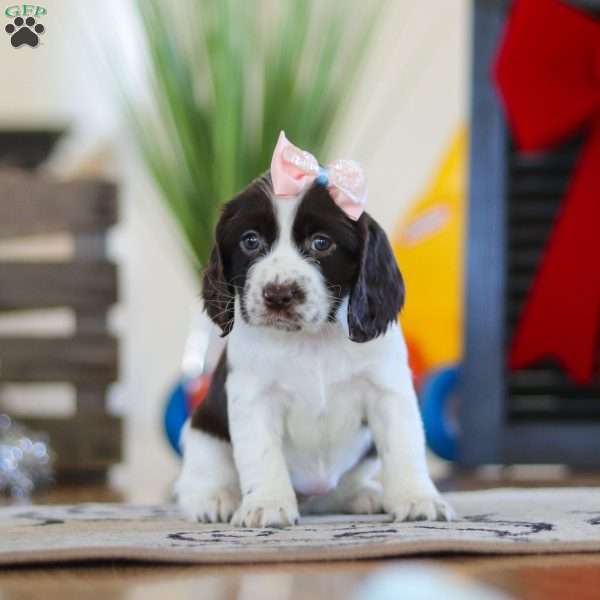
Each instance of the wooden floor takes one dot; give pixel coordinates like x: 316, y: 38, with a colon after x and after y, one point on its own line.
x: 570, y: 577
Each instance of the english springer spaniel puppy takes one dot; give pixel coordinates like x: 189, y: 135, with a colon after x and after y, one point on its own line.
x: 311, y: 408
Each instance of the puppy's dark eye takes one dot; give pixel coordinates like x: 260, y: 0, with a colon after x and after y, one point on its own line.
x: 251, y: 242
x: 320, y: 243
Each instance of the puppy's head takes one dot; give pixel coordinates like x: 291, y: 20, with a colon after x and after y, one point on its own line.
x: 292, y: 262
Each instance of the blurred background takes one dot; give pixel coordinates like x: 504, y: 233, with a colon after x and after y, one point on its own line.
x: 124, y: 126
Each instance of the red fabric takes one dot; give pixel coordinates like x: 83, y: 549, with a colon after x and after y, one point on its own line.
x: 548, y: 73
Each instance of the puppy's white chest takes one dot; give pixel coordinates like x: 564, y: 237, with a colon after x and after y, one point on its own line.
x: 316, y: 387
x: 324, y: 435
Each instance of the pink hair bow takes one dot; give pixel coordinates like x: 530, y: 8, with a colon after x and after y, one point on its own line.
x: 293, y: 170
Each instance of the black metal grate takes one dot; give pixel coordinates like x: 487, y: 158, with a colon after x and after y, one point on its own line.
x: 536, y: 186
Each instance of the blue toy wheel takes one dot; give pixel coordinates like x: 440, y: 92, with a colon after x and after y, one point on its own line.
x: 440, y: 431
x: 176, y: 414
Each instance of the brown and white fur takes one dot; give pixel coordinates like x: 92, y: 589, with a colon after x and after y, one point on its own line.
x: 312, y: 407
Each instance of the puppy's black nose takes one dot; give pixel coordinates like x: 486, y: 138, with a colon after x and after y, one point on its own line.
x: 279, y: 296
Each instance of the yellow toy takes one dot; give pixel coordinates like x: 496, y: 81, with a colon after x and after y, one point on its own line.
x: 429, y: 249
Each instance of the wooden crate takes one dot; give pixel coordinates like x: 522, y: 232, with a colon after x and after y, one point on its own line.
x: 89, y: 441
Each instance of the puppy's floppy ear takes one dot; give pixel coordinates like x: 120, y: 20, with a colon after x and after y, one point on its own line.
x: 378, y: 294
x: 217, y: 292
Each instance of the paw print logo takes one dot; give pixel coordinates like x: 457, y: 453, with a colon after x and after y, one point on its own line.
x: 24, y: 31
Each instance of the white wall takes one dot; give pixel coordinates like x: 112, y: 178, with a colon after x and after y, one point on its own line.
x: 405, y: 111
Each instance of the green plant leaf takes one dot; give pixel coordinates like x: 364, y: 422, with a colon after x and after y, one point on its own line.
x: 225, y: 77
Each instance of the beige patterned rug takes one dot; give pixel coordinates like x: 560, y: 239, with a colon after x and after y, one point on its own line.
x: 503, y: 521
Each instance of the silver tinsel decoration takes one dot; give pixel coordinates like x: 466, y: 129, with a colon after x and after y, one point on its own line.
x: 25, y: 459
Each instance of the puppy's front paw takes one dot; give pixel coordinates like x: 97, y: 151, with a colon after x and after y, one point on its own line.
x: 260, y: 511
x: 207, y: 505
x: 407, y: 507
